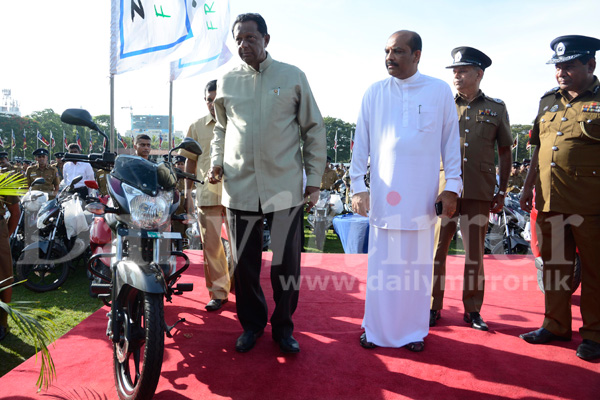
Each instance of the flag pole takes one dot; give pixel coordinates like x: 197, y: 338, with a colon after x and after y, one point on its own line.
x: 112, y: 113
x: 170, y: 113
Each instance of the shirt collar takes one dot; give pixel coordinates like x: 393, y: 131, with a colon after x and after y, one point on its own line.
x: 210, y: 120
x: 593, y: 88
x: 458, y: 97
x: 410, y: 79
x: 263, y: 65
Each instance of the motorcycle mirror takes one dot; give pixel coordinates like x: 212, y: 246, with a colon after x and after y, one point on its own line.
x: 81, y: 117
x: 95, y: 208
x: 189, y: 144
x: 91, y: 184
x: 75, y: 180
x: 38, y: 181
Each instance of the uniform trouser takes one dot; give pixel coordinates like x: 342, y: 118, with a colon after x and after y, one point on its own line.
x: 473, y: 216
x: 246, y: 229
x: 216, y: 269
x: 6, y: 268
x: 559, y: 237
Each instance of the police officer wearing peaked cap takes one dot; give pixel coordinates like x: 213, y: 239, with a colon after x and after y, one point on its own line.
x: 58, y: 163
x: 483, y: 124
x: 43, y: 170
x: 565, y: 169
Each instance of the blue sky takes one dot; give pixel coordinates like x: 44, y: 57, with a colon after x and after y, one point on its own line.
x: 56, y: 54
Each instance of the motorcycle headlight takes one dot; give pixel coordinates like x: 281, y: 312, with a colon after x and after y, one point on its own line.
x: 148, y: 212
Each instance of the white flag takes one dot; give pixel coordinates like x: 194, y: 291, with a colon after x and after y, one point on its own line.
x: 147, y: 31
x: 211, y: 27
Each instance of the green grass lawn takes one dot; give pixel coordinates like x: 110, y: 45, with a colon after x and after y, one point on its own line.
x: 71, y: 303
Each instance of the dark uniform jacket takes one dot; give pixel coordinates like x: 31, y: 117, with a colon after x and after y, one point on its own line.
x: 568, y: 136
x: 482, y: 123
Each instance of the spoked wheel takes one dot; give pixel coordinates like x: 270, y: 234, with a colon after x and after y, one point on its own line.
x: 139, y: 354
x: 42, y: 275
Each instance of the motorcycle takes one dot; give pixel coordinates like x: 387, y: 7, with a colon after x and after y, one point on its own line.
x: 26, y: 229
x: 100, y: 241
x: 508, y: 230
x: 143, y: 266
x: 45, y: 263
x: 321, y: 219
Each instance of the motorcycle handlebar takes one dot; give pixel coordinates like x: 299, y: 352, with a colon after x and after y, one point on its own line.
x: 97, y: 160
x: 76, y: 157
x: 187, y: 175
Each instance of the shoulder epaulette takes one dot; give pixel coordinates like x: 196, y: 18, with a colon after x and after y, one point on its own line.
x: 551, y: 91
x: 596, y: 89
x: 495, y: 100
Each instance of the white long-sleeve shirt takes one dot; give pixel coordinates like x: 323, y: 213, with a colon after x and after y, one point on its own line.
x: 404, y: 126
x: 72, y: 170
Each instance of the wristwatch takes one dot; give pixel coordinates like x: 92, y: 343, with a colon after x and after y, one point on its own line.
x: 501, y: 192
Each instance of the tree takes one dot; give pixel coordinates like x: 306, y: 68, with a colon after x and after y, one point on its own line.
x: 521, y: 152
x: 345, y: 131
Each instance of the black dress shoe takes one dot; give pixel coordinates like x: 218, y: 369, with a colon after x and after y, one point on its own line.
x: 588, y: 350
x: 541, y: 336
x: 215, y: 304
x: 3, y: 332
x: 476, y: 321
x: 366, y: 344
x: 247, y: 340
x: 434, y: 315
x: 289, y: 345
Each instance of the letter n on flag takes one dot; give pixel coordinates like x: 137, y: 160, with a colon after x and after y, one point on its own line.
x: 150, y: 31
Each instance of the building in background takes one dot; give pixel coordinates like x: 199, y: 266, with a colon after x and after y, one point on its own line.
x: 8, y: 105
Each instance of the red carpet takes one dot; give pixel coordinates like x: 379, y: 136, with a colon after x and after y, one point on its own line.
x: 458, y: 362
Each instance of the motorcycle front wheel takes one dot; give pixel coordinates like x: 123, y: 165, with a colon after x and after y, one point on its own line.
x: 42, y: 275
x: 138, y: 356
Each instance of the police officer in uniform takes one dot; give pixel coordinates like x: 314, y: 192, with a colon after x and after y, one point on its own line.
x: 483, y: 123
x: 58, y: 163
x: 329, y: 176
x: 100, y: 176
x: 515, y: 180
x: 10, y: 203
x: 565, y: 169
x: 43, y: 170
x: 4, y: 163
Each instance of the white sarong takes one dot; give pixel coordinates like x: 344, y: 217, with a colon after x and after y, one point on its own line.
x: 398, y: 286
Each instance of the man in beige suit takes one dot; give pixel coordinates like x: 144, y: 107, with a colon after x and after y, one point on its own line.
x: 264, y: 110
x: 208, y: 204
